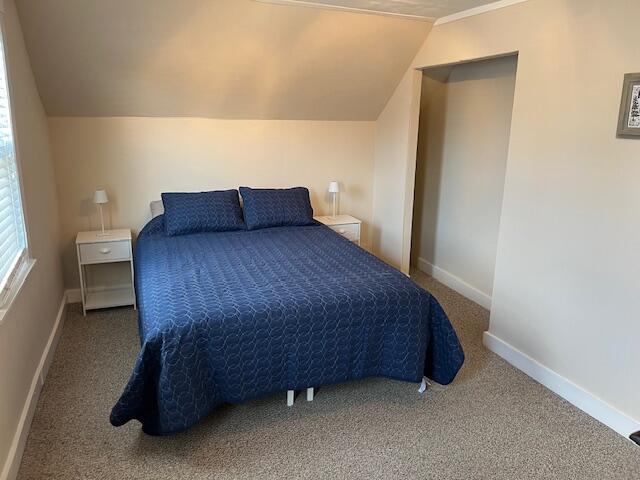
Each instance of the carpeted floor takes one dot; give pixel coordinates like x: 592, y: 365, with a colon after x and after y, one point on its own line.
x: 493, y: 422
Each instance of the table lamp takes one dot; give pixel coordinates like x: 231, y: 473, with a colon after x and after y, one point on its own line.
x: 100, y: 198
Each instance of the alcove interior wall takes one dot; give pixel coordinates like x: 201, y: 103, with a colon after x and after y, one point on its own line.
x: 463, y: 143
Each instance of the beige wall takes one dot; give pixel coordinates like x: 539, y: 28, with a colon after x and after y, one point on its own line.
x: 26, y: 327
x: 136, y: 159
x: 566, y: 279
x: 465, y: 119
x: 393, y: 181
x: 215, y: 58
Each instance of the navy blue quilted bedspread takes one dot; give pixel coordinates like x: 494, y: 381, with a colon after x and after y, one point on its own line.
x: 226, y: 317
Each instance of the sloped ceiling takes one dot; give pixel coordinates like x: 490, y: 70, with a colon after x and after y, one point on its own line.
x: 214, y: 58
x: 418, y: 8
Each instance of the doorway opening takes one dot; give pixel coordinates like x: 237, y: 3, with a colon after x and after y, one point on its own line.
x: 463, y: 143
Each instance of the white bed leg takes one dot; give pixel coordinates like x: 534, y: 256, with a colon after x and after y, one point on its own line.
x: 310, y: 394
x: 428, y: 384
x: 290, y: 394
x: 423, y: 385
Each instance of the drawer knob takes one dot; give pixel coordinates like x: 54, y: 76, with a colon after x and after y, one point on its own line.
x: 105, y: 250
x: 342, y: 231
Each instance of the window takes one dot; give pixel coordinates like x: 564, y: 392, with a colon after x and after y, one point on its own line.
x: 13, y: 243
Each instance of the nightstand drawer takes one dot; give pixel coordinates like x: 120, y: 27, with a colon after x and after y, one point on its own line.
x: 105, y: 252
x: 350, y: 231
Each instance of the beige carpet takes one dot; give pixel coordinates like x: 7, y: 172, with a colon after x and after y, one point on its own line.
x: 493, y: 422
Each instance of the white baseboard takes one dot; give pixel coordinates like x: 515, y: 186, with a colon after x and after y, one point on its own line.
x: 12, y: 464
x: 574, y: 394
x: 455, y: 283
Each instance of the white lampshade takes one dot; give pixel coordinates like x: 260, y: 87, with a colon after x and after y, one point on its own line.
x: 334, y: 187
x: 100, y: 196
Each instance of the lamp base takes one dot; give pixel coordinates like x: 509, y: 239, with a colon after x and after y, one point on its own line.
x: 335, y: 206
x: 103, y: 232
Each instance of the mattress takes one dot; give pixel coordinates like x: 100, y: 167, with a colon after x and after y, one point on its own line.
x: 231, y: 316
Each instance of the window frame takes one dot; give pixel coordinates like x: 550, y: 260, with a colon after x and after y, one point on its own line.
x: 23, y: 263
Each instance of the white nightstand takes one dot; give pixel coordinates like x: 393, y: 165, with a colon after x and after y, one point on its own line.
x: 95, y: 249
x: 345, y: 225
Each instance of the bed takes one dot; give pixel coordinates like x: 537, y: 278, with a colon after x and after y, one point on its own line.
x: 225, y: 317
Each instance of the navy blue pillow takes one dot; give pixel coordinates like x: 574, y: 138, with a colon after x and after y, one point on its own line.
x: 202, y: 212
x: 271, y: 207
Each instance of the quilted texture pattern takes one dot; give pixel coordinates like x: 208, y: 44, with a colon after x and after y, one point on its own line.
x: 218, y: 211
x: 271, y: 207
x: 226, y: 317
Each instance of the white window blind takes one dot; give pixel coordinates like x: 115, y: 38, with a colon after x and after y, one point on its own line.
x: 13, y: 245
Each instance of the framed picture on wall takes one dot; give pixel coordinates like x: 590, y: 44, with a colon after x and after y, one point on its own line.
x: 629, y: 120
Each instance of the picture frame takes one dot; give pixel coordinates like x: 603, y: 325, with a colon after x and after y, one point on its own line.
x: 629, y: 117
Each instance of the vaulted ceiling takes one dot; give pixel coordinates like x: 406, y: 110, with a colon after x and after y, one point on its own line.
x: 215, y: 58
x: 418, y: 8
